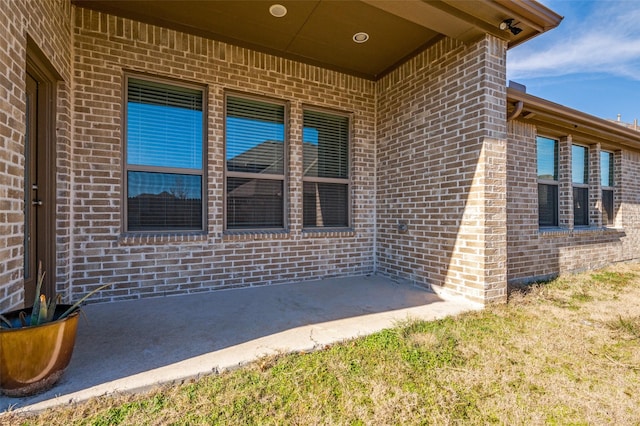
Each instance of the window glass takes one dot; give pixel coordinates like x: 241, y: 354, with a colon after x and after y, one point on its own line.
x: 326, y: 145
x: 580, y: 206
x: 164, y: 201
x: 547, y: 154
x: 325, y: 204
x: 254, y: 203
x: 607, y: 204
x: 164, y: 157
x: 255, y: 136
x: 606, y: 168
x: 164, y: 125
x: 326, y: 169
x: 255, y: 161
x: 579, y: 165
x: 547, y: 158
x: 547, y: 205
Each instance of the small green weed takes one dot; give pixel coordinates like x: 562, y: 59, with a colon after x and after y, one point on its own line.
x: 613, y: 278
x: 629, y: 326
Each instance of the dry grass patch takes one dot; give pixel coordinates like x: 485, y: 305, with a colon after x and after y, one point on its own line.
x: 563, y: 352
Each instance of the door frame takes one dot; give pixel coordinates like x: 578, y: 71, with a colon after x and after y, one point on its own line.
x: 47, y: 78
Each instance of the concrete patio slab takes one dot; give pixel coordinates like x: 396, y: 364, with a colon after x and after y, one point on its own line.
x: 136, y: 345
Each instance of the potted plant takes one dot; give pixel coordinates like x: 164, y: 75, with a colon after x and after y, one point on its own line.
x: 36, y: 343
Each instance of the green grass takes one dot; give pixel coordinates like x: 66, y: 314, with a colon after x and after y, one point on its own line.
x: 565, y: 352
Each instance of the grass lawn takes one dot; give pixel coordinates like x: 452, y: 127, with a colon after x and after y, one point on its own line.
x: 563, y: 352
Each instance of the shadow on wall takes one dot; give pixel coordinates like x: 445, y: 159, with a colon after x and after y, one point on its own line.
x: 436, y: 169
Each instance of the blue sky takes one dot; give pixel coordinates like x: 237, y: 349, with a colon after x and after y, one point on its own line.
x: 590, y: 62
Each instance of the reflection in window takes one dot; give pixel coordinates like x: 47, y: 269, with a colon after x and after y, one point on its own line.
x: 547, y: 158
x: 547, y: 205
x: 580, y: 179
x: 164, y: 201
x: 164, y: 158
x: 326, y: 169
x: 607, y: 183
x: 579, y: 165
x: 255, y: 162
x: 547, y: 154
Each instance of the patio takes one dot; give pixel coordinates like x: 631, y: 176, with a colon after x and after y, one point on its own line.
x: 135, y: 345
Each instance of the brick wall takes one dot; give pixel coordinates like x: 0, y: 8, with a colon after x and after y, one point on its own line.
x: 47, y: 23
x: 441, y: 170
x: 540, y: 254
x: 105, y: 47
x: 429, y: 150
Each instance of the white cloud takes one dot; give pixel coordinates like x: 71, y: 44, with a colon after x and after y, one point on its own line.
x: 595, y: 37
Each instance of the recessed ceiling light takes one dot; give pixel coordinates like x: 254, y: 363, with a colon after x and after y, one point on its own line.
x: 360, y: 37
x: 278, y: 10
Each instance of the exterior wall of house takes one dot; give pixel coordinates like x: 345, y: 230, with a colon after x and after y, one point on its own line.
x: 442, y: 170
x: 48, y: 25
x: 148, y: 265
x: 535, y: 253
x: 430, y: 150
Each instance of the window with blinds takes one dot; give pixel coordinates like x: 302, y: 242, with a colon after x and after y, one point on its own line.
x: 547, y: 155
x: 255, y: 163
x: 580, y: 181
x: 163, y: 157
x: 326, y: 201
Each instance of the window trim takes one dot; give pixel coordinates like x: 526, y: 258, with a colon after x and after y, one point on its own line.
x: 550, y: 182
x: 342, y: 181
x: 124, y: 169
x: 246, y: 175
x: 574, y: 185
x: 611, y: 188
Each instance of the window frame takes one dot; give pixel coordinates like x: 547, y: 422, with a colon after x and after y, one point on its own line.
x: 126, y: 168
x: 610, y: 188
x: 348, y: 181
x: 550, y: 182
x: 284, y: 178
x: 582, y: 187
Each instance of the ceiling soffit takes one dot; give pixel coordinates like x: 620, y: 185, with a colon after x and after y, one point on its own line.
x: 320, y: 32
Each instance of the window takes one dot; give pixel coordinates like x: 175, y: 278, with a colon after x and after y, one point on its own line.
x: 255, y: 163
x: 164, y: 157
x: 547, y: 181
x: 607, y: 183
x: 580, y: 180
x: 326, y: 170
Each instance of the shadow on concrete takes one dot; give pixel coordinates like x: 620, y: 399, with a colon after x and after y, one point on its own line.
x: 134, y: 345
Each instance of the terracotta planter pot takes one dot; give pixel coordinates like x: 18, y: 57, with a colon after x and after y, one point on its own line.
x: 32, y: 359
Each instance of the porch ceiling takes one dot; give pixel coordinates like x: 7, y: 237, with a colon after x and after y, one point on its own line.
x: 321, y: 32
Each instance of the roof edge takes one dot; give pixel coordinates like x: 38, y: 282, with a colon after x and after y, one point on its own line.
x: 531, y: 12
x: 573, y: 118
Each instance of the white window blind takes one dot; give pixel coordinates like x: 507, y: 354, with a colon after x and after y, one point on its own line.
x: 326, y: 170
x: 255, y: 162
x: 164, y: 157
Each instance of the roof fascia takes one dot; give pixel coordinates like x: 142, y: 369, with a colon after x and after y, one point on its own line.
x: 562, y: 119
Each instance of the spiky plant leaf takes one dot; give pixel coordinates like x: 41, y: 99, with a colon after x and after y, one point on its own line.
x: 42, y: 315
x: 35, y: 311
x: 51, y: 309
x: 77, y: 304
x: 6, y: 322
x: 23, y: 319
